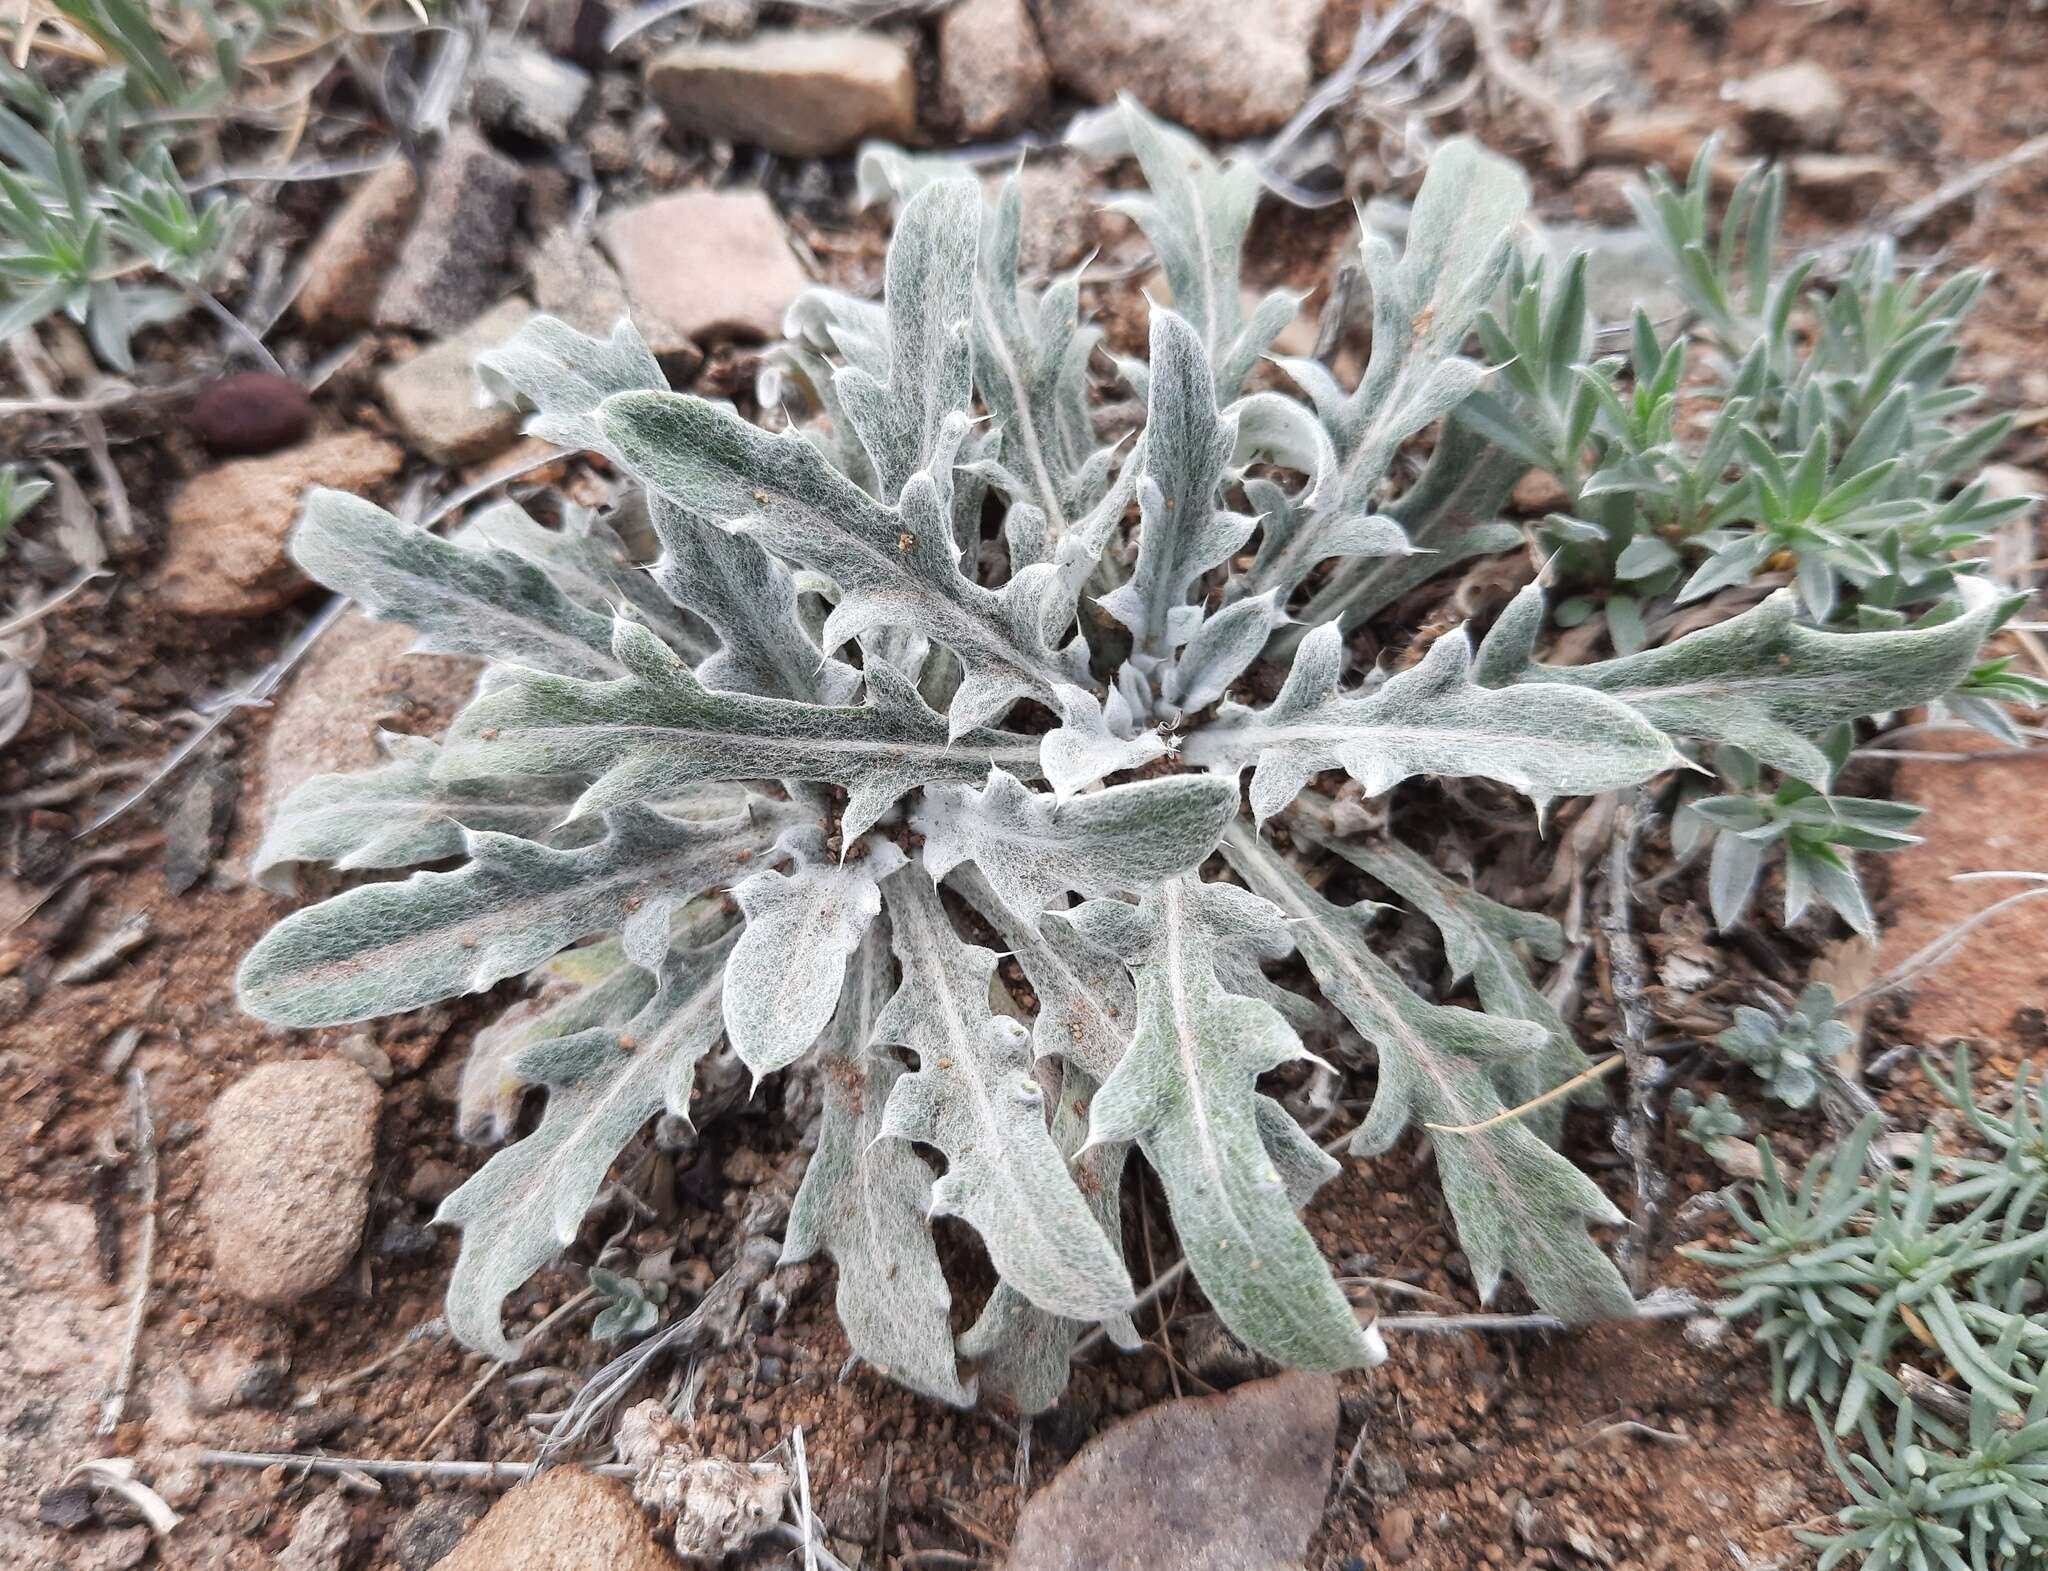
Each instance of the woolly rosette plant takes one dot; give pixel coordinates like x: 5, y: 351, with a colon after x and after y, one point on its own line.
x: 937, y: 678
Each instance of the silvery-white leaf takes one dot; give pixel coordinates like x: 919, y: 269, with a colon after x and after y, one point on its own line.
x: 974, y: 1098
x: 1761, y: 680
x: 384, y: 948
x: 1519, y: 1205
x: 863, y: 1201
x: 1034, y: 848
x: 928, y: 297
x: 1480, y: 938
x: 1186, y: 1093
x: 1282, y: 518
x: 1031, y: 356
x: 1025, y: 1353
x: 1087, y: 1006
x: 1544, y: 740
x: 882, y: 171
x: 527, y: 1203
x: 474, y: 601
x: 1450, y: 515
x: 1425, y: 304
x: 565, y: 375
x: 895, y: 566
x: 1086, y: 746
x: 1221, y: 651
x: 750, y: 601
x: 1181, y: 532
x: 783, y: 980
x: 579, y: 990
x: 398, y: 815
x: 658, y: 729
x: 1196, y: 212
x: 1303, y: 1165
x: 588, y: 562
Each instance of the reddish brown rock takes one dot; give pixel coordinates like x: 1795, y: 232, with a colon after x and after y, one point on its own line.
x: 287, y: 1177
x: 808, y: 93
x: 565, y: 1520
x: 250, y: 413
x: 1220, y: 1483
x: 1218, y: 67
x: 344, y: 269
x: 452, y: 263
x: 433, y: 396
x: 226, y: 548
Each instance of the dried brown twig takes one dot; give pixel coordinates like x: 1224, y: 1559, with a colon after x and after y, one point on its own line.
x: 144, y: 1132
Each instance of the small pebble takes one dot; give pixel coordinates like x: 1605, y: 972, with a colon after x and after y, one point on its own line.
x: 251, y: 412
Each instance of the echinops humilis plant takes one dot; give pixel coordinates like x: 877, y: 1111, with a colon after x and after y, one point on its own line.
x: 942, y: 652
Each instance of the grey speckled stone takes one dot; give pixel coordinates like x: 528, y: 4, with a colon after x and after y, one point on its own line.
x: 452, y: 264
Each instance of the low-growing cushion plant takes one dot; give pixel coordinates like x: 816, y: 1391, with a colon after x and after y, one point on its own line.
x: 935, y: 677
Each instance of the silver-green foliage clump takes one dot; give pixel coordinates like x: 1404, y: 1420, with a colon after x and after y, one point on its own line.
x: 939, y: 677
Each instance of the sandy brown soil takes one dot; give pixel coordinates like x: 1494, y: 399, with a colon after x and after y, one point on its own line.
x: 1479, y: 1452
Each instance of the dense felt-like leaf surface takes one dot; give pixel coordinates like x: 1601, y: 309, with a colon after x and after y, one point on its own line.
x: 948, y: 632
x: 1433, y: 719
x: 1185, y: 1093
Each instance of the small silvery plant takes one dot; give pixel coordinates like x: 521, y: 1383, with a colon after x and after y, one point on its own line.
x: 934, y: 676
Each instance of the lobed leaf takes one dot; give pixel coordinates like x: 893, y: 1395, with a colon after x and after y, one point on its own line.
x: 864, y: 1197
x: 658, y: 730
x: 1185, y: 1092
x: 385, y: 948
x: 895, y: 567
x: 399, y: 815
x: 1544, y: 741
x: 1761, y: 680
x: 973, y: 1097
x: 462, y: 601
x: 1519, y: 1205
x: 784, y: 977
x: 527, y: 1203
x: 1033, y: 849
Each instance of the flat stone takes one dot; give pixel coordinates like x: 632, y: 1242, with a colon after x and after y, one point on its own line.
x: 805, y: 93
x: 523, y: 89
x: 227, y: 533
x: 1219, y: 67
x: 1790, y: 106
x: 710, y: 264
x: 358, y: 680
x: 287, y: 1177
x: 565, y: 1520
x: 343, y: 270
x: 451, y: 264
x: 1221, y: 1483
x: 572, y: 280
x: 434, y: 397
x: 993, y: 73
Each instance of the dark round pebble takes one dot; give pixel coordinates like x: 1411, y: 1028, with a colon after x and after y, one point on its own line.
x: 251, y: 412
